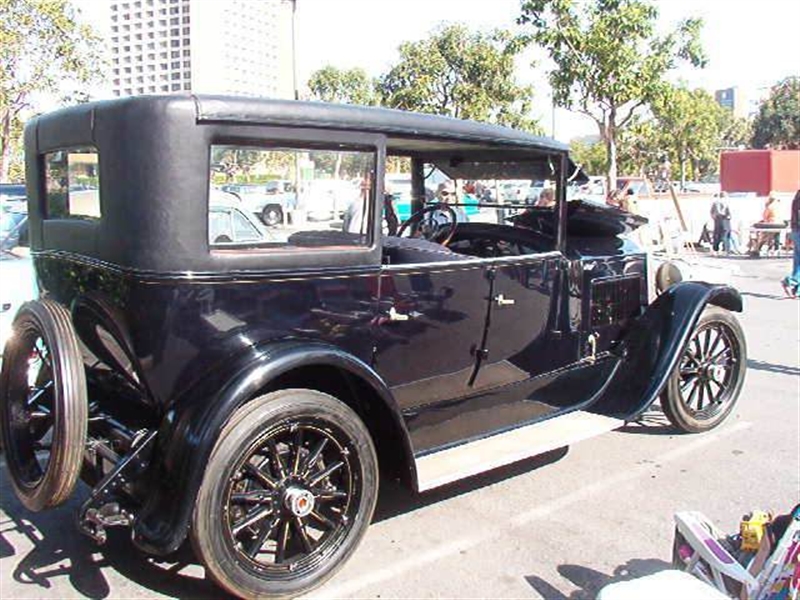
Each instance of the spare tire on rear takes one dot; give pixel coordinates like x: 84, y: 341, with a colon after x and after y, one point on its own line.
x: 43, y: 405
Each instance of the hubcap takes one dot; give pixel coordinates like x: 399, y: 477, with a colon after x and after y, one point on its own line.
x: 299, y: 501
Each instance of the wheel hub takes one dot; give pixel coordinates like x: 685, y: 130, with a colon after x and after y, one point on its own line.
x: 298, y: 501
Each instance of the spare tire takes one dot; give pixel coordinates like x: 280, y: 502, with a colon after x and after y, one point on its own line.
x: 43, y: 405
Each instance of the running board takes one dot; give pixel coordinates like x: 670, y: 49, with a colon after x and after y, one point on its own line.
x: 452, y: 464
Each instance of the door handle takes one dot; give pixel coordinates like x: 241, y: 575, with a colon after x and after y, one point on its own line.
x: 501, y: 300
x: 396, y: 316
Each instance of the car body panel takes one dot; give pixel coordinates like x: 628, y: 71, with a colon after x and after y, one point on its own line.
x: 447, y: 350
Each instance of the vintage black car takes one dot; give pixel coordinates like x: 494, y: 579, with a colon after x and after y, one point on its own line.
x: 244, y: 394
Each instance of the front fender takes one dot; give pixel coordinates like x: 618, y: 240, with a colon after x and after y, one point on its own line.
x: 651, y: 348
x: 190, y: 429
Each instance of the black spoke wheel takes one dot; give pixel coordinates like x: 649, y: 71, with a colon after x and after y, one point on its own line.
x: 287, y: 495
x: 43, y: 406
x: 706, y: 384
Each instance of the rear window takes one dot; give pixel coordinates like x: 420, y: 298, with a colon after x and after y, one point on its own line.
x: 73, y: 184
x: 290, y: 198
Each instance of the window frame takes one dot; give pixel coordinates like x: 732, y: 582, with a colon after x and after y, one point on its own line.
x: 272, y: 138
x: 77, y: 149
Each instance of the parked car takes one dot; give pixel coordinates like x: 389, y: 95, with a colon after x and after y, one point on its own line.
x: 246, y: 396
x: 12, y: 191
x: 17, y: 278
x: 228, y: 224
x: 271, y: 201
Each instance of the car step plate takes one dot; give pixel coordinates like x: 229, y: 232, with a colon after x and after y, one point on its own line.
x: 439, y: 468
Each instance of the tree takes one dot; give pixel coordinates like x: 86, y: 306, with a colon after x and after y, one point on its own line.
x: 609, y: 60
x: 589, y: 154
x: 734, y: 131
x: 346, y: 86
x: 689, y: 122
x: 777, y: 124
x: 642, y: 149
x: 45, y: 49
x: 462, y: 74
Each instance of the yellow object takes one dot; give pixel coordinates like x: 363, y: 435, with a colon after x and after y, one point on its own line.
x: 752, y: 529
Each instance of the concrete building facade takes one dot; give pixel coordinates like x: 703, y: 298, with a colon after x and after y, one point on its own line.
x: 241, y: 47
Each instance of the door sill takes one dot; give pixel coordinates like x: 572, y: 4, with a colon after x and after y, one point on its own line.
x: 443, y: 467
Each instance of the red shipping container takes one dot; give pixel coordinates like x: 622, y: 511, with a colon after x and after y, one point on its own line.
x: 759, y: 171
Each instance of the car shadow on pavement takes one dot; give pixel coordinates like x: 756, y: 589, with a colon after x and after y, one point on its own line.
x: 395, y: 498
x: 650, y: 422
x: 775, y: 296
x: 589, y: 581
x: 760, y: 365
x: 45, y: 548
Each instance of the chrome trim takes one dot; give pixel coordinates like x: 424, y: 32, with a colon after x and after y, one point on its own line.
x: 472, y: 262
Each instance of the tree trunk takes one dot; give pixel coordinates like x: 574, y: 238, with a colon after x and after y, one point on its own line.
x: 5, y: 145
x: 682, y: 160
x: 609, y: 135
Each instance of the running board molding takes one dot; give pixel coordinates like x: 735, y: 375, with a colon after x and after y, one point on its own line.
x: 443, y: 467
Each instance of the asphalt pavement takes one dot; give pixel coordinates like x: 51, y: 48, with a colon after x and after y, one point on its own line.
x: 559, y: 526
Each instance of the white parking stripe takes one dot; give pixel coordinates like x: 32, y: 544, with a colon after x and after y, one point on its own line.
x: 348, y: 588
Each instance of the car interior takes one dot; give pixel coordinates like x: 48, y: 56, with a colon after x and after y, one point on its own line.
x: 486, y: 217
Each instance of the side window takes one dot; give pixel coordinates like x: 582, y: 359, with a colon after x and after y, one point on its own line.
x: 244, y: 230
x: 292, y: 198
x: 72, y: 183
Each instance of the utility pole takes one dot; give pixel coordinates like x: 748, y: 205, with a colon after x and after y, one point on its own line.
x: 294, y: 50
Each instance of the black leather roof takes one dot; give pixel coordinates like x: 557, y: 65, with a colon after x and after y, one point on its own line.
x: 366, y: 118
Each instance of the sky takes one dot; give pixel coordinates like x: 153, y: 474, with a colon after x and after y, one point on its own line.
x: 749, y: 44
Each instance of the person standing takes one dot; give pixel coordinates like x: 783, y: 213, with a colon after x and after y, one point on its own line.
x: 721, y: 215
x: 791, y: 283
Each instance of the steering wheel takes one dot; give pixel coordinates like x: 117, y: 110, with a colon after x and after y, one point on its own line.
x: 439, y: 226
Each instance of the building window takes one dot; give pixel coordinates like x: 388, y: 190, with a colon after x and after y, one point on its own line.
x: 176, y: 87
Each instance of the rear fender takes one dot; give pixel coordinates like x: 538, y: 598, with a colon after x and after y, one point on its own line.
x: 191, y: 427
x: 650, y: 350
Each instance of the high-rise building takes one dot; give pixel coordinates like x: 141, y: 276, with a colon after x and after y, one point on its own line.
x: 735, y: 100
x: 241, y: 47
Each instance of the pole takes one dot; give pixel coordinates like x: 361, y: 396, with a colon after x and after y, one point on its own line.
x: 294, y: 50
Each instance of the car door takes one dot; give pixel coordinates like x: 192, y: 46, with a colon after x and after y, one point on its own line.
x: 431, y: 326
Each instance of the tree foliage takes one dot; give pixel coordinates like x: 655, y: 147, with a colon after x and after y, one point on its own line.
x: 777, y: 124
x: 460, y: 73
x: 608, y: 58
x: 690, y: 122
x: 589, y: 154
x: 345, y: 86
x: 45, y: 49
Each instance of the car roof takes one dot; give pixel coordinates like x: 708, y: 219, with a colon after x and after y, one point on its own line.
x: 268, y: 111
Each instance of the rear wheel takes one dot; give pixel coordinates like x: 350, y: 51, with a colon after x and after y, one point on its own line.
x: 706, y: 384
x: 272, y: 215
x: 287, y: 495
x: 43, y: 406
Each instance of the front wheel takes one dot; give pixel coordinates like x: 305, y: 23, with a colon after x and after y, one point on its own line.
x: 706, y: 384
x: 287, y: 495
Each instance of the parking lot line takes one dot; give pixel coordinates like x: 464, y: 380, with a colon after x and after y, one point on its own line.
x: 348, y: 588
